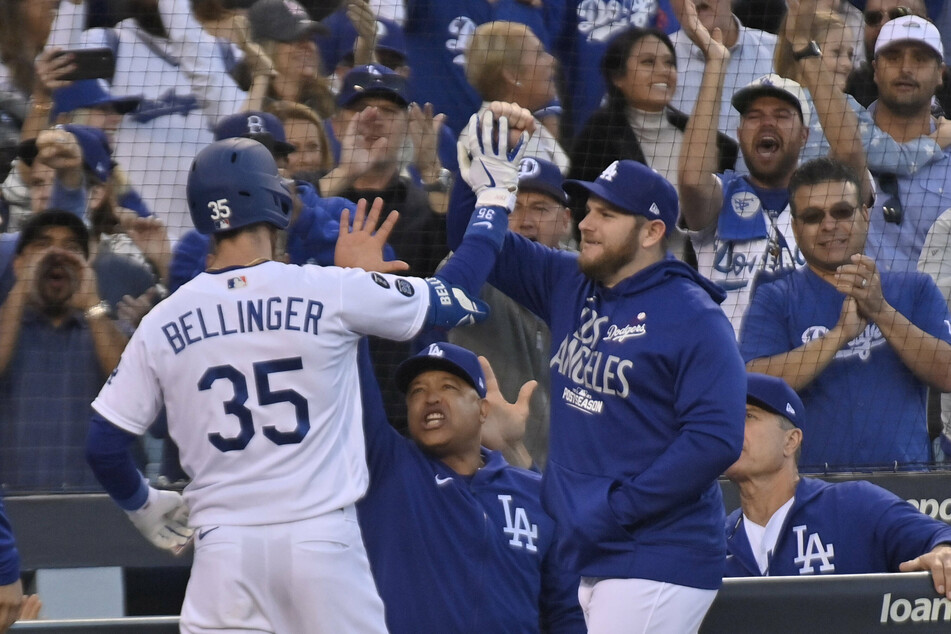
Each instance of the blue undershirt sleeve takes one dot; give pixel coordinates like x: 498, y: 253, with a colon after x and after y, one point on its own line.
x: 108, y: 454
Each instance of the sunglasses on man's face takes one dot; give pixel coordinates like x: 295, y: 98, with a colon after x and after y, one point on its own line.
x: 875, y: 18
x: 814, y: 216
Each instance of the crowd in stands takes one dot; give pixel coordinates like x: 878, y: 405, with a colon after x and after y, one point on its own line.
x: 748, y: 109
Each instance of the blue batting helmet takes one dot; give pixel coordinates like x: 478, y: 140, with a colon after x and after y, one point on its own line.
x: 234, y: 183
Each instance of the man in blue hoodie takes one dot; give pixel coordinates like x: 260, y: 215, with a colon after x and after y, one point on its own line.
x: 647, y: 398
x: 788, y: 525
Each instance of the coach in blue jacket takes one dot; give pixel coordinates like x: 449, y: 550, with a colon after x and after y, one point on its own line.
x: 788, y: 525
x: 456, y: 537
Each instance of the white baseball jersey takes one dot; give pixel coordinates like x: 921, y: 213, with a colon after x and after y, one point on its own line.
x: 257, y: 368
x: 186, y: 89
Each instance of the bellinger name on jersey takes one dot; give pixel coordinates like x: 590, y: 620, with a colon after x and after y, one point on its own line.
x: 244, y: 316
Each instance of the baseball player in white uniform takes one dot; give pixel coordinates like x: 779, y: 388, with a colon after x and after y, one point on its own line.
x: 255, y: 361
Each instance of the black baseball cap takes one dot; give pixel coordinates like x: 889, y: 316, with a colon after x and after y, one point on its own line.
x: 282, y: 21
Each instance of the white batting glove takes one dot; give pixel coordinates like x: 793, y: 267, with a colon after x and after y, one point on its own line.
x: 163, y: 519
x: 493, y: 166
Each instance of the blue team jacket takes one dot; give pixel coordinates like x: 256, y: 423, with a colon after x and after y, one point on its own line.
x: 648, y: 402
x: 842, y: 528
x: 458, y: 555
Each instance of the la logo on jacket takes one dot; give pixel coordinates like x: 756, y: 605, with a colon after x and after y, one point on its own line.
x: 812, y: 551
x: 517, y: 526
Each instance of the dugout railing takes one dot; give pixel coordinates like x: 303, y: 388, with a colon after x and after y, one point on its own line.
x: 83, y: 532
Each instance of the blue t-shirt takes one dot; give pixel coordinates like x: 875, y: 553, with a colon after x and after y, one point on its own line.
x: 866, y: 408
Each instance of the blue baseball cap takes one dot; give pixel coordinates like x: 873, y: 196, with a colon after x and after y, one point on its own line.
x: 774, y: 395
x: 90, y: 93
x: 372, y: 80
x: 539, y: 175
x: 634, y: 188
x: 97, y: 155
x: 442, y: 356
x: 260, y: 126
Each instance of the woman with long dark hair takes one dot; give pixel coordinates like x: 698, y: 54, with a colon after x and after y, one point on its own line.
x: 636, y: 121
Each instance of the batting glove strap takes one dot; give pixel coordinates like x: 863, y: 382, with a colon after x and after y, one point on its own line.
x: 451, y: 306
x: 497, y: 197
x: 163, y: 520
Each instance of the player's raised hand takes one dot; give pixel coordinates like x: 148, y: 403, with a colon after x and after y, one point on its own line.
x: 496, y: 144
x: 163, y: 519
x: 361, y: 246
x: 504, y: 426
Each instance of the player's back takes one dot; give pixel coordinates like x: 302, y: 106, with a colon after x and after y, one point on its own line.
x: 257, y: 369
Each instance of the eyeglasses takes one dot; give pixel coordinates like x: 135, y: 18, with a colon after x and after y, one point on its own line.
x: 814, y: 216
x: 544, y: 210
x: 892, y: 208
x: 876, y: 18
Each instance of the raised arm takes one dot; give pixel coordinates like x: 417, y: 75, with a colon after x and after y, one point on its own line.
x: 701, y: 195
x: 839, y: 122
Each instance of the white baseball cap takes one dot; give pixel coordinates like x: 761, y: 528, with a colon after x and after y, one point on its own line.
x: 910, y: 28
x: 773, y: 85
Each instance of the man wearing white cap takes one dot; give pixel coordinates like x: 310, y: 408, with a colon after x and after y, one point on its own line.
x: 908, y: 68
x: 911, y: 219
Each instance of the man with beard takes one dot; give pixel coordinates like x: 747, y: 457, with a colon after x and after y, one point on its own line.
x: 861, y: 345
x: 908, y: 69
x: 909, y: 222
x: 739, y: 225
x: 57, y: 346
x: 641, y: 424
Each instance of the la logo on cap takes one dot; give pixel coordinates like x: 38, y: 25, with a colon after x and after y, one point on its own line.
x: 609, y: 173
x: 435, y: 351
